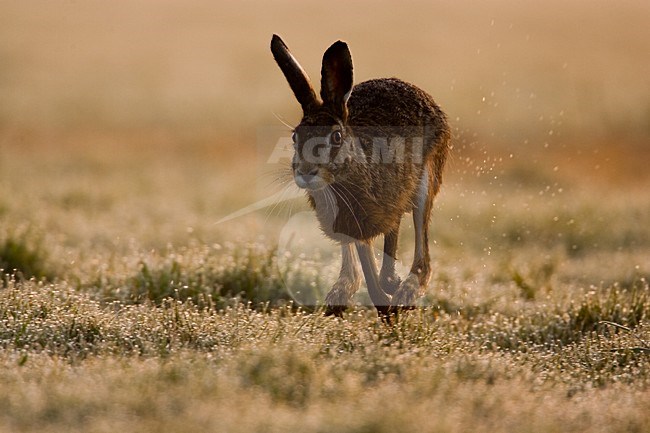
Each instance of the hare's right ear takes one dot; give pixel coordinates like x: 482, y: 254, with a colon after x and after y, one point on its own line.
x: 336, y: 78
x: 295, y: 75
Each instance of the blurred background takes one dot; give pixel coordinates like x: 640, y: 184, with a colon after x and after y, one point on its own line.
x: 131, y: 125
x: 513, y: 73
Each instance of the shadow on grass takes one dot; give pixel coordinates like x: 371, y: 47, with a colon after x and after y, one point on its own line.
x: 249, y: 275
x: 24, y: 259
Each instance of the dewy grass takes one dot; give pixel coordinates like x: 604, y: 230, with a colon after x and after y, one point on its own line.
x: 69, y: 362
x: 59, y: 320
x: 563, y: 325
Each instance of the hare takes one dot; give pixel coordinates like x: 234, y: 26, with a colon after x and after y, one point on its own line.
x: 366, y: 155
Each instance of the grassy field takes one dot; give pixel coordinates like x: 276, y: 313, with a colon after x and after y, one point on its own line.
x: 128, y: 132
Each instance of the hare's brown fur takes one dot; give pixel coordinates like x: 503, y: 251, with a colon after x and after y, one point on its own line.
x: 358, y: 192
x: 383, y: 192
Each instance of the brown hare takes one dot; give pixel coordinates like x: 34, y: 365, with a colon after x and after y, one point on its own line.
x: 366, y: 155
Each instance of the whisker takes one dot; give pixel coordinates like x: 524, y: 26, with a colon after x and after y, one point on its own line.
x: 277, y: 176
x: 291, y: 208
x: 349, y: 207
x: 351, y: 195
x: 333, y: 201
x: 282, y: 200
x: 260, y: 204
x: 284, y: 122
x: 328, y: 200
x: 288, y: 194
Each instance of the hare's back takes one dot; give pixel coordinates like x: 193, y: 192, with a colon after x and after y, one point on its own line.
x: 392, y: 102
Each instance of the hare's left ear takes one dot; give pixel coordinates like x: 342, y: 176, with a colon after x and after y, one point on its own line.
x: 295, y: 75
x: 336, y: 78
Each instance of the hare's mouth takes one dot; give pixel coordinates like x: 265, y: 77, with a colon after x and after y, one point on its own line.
x: 312, y: 182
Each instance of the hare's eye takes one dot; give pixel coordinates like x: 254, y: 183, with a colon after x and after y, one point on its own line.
x: 294, y: 137
x: 336, y: 138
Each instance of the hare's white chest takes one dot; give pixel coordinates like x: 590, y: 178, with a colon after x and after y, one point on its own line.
x: 326, y: 208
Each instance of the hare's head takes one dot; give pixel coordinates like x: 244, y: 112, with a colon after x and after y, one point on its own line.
x: 322, y: 141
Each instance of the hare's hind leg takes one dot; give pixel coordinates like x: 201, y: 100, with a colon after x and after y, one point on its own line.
x: 414, y: 285
x: 346, y: 285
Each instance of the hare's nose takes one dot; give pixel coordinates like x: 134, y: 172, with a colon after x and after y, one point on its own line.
x: 308, y: 178
x: 311, y: 173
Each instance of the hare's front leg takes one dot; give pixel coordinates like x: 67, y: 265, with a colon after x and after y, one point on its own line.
x: 387, y: 276
x: 348, y: 283
x: 415, y: 284
x: 377, y: 295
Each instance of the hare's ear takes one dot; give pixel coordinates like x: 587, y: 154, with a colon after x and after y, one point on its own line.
x: 336, y: 78
x: 295, y: 75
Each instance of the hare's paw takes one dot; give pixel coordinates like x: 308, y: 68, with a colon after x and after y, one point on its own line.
x: 390, y: 284
x: 408, y: 293
x: 337, y: 300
